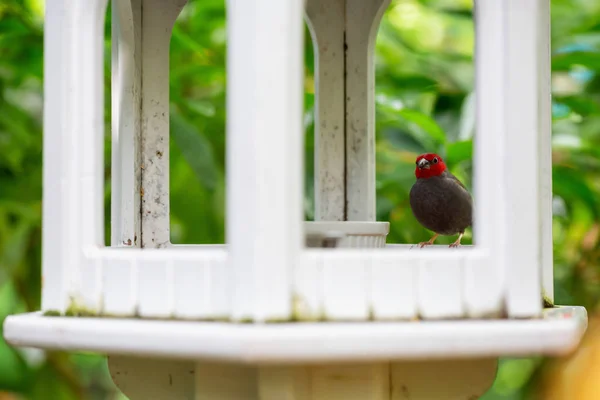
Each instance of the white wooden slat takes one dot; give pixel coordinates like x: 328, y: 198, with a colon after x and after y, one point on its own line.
x: 220, y: 287
x: 345, y: 285
x: 362, y: 21
x: 90, y: 296
x: 192, y: 283
x: 158, y: 18
x: 125, y: 119
x: 327, y: 31
x: 202, y: 288
x: 484, y: 280
x: 56, y: 71
x: 440, y: 287
x: 393, y: 293
x: 155, y: 289
x: 120, y: 286
x: 545, y: 149
x: 522, y: 172
x: 308, y: 287
x: 264, y: 154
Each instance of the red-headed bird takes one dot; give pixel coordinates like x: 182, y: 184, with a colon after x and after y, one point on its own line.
x: 439, y: 201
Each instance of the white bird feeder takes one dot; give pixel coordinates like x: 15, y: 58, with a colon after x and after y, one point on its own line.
x: 267, y: 316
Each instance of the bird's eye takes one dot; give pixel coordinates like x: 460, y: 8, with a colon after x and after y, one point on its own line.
x: 435, y: 160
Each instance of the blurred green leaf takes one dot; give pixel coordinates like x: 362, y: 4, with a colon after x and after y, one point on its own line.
x: 196, y: 150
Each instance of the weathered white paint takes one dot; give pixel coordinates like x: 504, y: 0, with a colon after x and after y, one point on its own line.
x: 153, y: 379
x: 362, y: 21
x: 557, y: 333
x: 522, y: 179
x: 126, y: 108
x: 158, y: 18
x: 327, y: 30
x: 264, y: 182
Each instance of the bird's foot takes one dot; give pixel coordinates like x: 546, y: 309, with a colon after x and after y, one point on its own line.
x: 429, y: 242
x: 457, y: 242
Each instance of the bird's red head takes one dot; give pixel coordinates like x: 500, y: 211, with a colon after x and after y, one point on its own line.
x: 429, y: 165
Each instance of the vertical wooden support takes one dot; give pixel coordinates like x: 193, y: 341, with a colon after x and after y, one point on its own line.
x: 158, y: 18
x: 126, y: 108
x: 264, y: 154
x: 545, y: 149
x: 484, y: 286
x: 74, y: 123
x: 523, y: 140
x: 362, y: 22
x: 56, y: 85
x: 326, y: 23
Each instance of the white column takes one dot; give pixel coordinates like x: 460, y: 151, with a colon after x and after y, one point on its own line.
x: 362, y: 23
x: 158, y: 18
x: 126, y: 108
x: 325, y: 19
x: 57, y: 30
x: 264, y: 153
x: 524, y: 139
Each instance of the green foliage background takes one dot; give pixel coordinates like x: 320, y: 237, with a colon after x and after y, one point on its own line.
x: 424, y: 70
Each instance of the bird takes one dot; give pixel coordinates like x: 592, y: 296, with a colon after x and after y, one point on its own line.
x: 439, y: 201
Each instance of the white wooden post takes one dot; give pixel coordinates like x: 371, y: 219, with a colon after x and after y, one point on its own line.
x: 158, y: 18
x: 525, y: 118
x: 264, y: 154
x: 362, y: 23
x: 75, y: 126
x: 484, y: 281
x: 57, y: 74
x: 126, y: 108
x: 326, y: 23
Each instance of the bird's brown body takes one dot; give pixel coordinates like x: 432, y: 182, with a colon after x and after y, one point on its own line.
x: 442, y: 204
x: 439, y: 201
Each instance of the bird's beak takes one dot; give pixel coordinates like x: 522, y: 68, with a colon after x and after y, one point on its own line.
x: 423, y: 163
